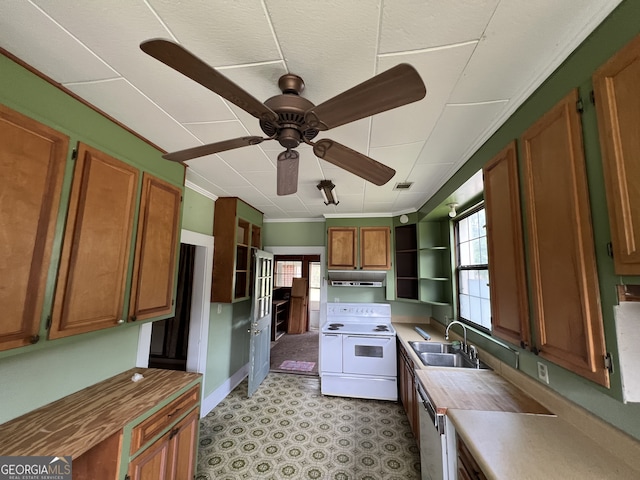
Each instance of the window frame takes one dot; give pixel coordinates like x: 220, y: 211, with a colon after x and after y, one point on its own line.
x: 458, y: 268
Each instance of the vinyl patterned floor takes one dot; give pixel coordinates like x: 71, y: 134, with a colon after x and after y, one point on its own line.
x: 288, y: 430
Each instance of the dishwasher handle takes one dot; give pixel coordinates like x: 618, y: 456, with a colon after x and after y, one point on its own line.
x: 428, y: 406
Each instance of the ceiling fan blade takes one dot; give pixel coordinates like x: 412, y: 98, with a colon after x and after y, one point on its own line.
x: 288, y: 172
x: 210, y: 148
x: 395, y: 87
x: 352, y: 161
x: 188, y: 64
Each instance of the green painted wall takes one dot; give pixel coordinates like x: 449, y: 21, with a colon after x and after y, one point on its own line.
x: 35, y: 375
x: 299, y: 234
x: 228, y: 348
x: 576, y: 71
x: 197, y: 212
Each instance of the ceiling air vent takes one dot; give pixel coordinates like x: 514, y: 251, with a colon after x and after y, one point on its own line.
x: 403, y: 186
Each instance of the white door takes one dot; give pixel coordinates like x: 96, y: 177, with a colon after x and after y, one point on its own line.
x: 260, y: 331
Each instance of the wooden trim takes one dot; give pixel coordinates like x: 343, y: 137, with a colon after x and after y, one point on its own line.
x: 628, y: 293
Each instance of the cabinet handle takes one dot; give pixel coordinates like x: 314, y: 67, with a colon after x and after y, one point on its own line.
x: 173, y: 433
x: 173, y: 413
x: 133, y: 318
x: 34, y: 339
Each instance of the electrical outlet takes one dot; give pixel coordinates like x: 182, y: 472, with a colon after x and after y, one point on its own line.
x: 219, y: 309
x: 336, y: 300
x: 543, y: 373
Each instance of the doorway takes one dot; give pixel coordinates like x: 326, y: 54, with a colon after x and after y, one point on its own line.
x: 297, y: 293
x: 198, y: 333
x: 170, y: 337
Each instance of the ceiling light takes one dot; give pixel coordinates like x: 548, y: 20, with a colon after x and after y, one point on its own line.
x: 452, y: 209
x: 327, y: 188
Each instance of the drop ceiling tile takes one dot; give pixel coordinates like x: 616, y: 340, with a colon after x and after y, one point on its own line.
x: 427, y: 177
x: 218, y: 172
x: 399, y: 157
x: 461, y: 130
x: 440, y: 70
x: 260, y: 81
x: 224, y: 32
x: 417, y: 24
x: 210, y: 132
x: 343, y: 180
x: 248, y: 159
x: 354, y: 135
x: 35, y: 38
x: 547, y: 30
x: 126, y: 104
x: 205, y: 183
x: 410, y: 201
x: 330, y: 44
x: 135, y: 22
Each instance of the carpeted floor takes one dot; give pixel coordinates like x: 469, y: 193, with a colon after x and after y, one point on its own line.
x: 289, y: 430
x: 302, y: 347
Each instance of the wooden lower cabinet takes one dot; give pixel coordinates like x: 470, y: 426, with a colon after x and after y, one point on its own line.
x: 172, y: 456
x: 468, y: 468
x: 407, y: 391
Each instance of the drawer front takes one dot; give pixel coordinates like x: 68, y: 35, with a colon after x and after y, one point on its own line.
x: 156, y: 423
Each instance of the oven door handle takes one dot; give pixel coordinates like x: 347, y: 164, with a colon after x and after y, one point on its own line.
x: 382, y: 339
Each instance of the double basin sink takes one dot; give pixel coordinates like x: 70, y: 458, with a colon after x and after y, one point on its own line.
x: 435, y: 354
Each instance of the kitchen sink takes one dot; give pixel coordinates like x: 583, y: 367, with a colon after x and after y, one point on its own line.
x: 431, y: 347
x: 445, y: 355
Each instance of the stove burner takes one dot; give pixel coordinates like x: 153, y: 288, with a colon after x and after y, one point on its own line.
x: 381, y: 328
x: 336, y: 325
x: 333, y: 328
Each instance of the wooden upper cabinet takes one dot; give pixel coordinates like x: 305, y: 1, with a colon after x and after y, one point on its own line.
x: 32, y: 164
x: 564, y: 280
x: 343, y: 248
x: 507, y: 278
x: 374, y: 252
x: 92, y: 276
x: 375, y: 248
x: 157, y: 240
x: 618, y: 108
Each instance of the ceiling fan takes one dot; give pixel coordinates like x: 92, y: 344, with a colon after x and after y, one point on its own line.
x: 291, y: 119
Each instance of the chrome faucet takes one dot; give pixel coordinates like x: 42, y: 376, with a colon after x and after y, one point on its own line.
x: 464, y: 331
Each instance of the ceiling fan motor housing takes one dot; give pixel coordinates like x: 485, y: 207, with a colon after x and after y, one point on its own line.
x: 290, y: 129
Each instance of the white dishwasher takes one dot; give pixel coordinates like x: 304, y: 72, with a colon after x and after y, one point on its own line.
x: 437, y: 442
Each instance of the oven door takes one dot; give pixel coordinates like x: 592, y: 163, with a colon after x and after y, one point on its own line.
x: 369, y: 355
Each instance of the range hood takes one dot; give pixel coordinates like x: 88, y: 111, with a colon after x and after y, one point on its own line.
x: 357, y: 278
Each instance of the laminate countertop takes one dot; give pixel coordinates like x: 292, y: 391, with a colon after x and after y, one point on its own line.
x: 509, y: 433
x: 509, y: 445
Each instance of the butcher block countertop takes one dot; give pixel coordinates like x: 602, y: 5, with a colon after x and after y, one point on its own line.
x: 475, y: 390
x: 508, y: 445
x: 75, y: 423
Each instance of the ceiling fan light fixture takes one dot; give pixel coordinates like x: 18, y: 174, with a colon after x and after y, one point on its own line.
x: 329, y: 195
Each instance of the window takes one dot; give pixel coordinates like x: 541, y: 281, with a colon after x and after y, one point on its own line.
x: 286, y: 271
x: 474, y: 303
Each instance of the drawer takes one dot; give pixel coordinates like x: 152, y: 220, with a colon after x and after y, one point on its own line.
x: 156, y: 423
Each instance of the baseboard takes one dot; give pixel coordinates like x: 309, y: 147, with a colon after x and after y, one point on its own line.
x: 223, y: 390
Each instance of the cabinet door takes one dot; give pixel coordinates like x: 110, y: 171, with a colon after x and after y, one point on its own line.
x: 153, y: 463
x: 618, y: 107
x: 343, y: 246
x: 375, y: 248
x: 156, y: 249
x: 507, y: 281
x: 32, y: 160
x: 97, y: 242
x: 183, y: 447
x: 565, y: 291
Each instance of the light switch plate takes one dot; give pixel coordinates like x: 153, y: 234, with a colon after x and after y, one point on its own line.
x: 543, y: 373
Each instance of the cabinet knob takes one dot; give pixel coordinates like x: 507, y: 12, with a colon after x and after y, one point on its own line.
x: 121, y: 321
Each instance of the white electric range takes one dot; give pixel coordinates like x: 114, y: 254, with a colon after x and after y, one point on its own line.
x: 358, y: 351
